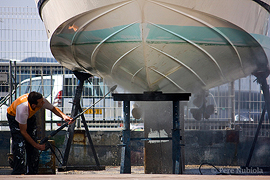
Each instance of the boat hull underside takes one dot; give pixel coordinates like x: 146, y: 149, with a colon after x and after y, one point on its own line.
x: 170, y: 70
x: 141, y: 52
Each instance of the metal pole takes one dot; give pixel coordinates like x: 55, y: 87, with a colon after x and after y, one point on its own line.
x: 20, y: 80
x: 74, y: 112
x: 104, y: 105
x: 89, y: 138
x: 177, y: 169
x: 255, y: 138
x: 232, y: 103
x: 266, y: 95
x: 15, y: 79
x: 125, y: 156
x: 51, y: 121
x: 10, y: 83
x: 182, y: 134
x: 239, y: 99
x: 42, y: 81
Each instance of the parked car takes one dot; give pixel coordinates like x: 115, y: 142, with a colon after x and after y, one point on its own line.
x: 242, y: 118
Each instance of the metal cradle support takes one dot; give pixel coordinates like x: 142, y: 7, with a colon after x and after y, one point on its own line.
x: 151, y: 96
x: 265, y: 88
x: 76, y: 108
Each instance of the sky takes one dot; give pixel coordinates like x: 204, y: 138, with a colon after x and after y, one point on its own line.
x: 17, y: 3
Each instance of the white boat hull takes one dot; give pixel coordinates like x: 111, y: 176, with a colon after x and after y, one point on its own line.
x: 165, y: 45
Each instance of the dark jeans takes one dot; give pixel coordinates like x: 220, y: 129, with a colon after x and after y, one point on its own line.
x: 20, y: 145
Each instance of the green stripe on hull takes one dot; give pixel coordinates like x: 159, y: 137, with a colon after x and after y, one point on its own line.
x: 174, y: 34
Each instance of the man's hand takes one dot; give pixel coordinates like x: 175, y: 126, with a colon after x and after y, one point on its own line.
x: 67, y: 118
x: 40, y: 146
x: 28, y: 138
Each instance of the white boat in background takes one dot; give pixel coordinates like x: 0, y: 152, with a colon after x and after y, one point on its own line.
x: 165, y: 45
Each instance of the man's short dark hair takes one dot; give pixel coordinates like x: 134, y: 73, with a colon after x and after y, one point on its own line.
x: 33, y: 97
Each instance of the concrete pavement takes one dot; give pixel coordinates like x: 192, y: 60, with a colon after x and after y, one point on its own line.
x: 131, y: 177
x: 137, y: 173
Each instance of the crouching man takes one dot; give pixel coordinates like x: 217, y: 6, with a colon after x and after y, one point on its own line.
x: 22, y: 124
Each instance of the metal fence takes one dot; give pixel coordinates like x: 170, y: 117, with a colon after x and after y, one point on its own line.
x: 58, y: 86
x: 237, y: 105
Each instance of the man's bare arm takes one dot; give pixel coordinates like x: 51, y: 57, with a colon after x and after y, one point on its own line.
x: 59, y: 113
x: 23, y: 128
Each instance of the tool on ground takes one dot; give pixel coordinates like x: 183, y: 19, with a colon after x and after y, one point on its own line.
x: 44, y: 140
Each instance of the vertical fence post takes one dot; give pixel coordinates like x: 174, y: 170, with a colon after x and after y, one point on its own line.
x: 10, y: 82
x: 15, y: 79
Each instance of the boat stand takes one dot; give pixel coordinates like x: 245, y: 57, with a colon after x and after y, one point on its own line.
x: 262, y: 80
x: 76, y: 108
x: 125, y: 166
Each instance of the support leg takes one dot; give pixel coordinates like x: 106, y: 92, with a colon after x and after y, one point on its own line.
x: 89, y: 138
x: 255, y: 138
x: 266, y: 95
x: 74, y: 112
x: 125, y: 156
x: 176, y: 154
